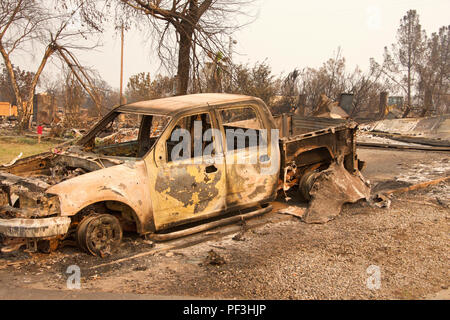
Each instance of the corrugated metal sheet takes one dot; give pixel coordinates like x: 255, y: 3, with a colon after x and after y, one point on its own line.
x: 293, y: 125
x: 314, y: 123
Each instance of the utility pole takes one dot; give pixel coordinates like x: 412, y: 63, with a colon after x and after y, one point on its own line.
x: 230, y: 54
x: 121, y: 68
x: 230, y: 49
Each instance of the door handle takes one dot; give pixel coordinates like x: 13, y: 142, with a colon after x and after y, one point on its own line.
x: 264, y: 158
x: 211, y: 169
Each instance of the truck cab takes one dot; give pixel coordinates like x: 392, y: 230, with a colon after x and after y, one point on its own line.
x: 148, y: 167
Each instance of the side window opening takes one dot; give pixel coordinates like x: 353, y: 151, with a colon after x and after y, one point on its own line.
x: 242, y: 128
x: 187, y: 138
x: 151, y: 129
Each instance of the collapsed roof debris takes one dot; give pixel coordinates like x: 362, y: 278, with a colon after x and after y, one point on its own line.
x: 328, y: 108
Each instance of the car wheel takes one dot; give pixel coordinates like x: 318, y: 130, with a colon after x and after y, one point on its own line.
x: 99, y: 234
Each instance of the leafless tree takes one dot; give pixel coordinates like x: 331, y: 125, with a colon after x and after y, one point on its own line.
x: 104, y: 94
x: 28, y: 26
x: 140, y: 87
x: 290, y: 92
x: 400, y: 63
x: 257, y: 81
x: 183, y: 31
x: 330, y: 79
x: 304, y: 88
x: 434, y: 72
x: 366, y: 88
x: 334, y: 69
x: 73, y: 99
x: 84, y: 76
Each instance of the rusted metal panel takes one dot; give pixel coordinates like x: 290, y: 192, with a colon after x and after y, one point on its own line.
x: 34, y: 165
x: 126, y: 183
x: 246, y: 183
x: 292, y: 125
x: 331, y: 189
x: 183, y: 192
x: 172, y: 105
x: 337, y: 141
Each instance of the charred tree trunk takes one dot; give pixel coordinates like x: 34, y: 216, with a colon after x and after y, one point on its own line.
x: 408, y: 99
x: 428, y: 101
x: 186, y: 31
x: 184, y: 16
x: 25, y: 106
x: 301, y: 105
x: 184, y: 62
x: 383, y: 104
x: 27, y: 113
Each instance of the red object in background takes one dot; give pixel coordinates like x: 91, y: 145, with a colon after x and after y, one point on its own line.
x: 39, y: 130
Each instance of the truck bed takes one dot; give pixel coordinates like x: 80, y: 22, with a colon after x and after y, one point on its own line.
x: 309, y: 141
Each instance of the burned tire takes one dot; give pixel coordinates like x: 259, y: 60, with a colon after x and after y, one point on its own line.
x: 306, y: 183
x: 99, y: 234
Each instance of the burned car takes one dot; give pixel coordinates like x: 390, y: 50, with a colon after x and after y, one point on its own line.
x: 152, y: 167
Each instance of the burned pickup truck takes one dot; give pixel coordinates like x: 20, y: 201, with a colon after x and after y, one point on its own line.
x: 170, y: 167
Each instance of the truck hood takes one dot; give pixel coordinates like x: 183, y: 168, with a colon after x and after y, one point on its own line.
x: 32, y: 186
x: 125, y: 183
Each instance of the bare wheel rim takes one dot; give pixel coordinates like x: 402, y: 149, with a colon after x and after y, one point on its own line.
x: 101, y: 234
x: 81, y: 232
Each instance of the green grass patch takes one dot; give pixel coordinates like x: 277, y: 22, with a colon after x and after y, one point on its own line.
x: 11, y: 147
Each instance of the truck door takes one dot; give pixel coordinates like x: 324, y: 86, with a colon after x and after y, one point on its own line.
x: 189, y: 182
x: 252, y: 174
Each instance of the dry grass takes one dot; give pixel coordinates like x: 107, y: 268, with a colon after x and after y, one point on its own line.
x: 11, y: 147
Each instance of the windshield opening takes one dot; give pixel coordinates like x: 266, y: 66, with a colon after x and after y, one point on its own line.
x: 127, y: 135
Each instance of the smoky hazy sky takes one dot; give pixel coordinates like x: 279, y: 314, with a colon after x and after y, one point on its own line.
x: 290, y: 34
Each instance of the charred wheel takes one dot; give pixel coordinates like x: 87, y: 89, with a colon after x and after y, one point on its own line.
x: 99, y: 234
x: 306, y: 182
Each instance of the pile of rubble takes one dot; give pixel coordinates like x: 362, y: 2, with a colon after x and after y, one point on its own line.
x: 122, y: 135
x: 328, y: 108
x: 432, y: 133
